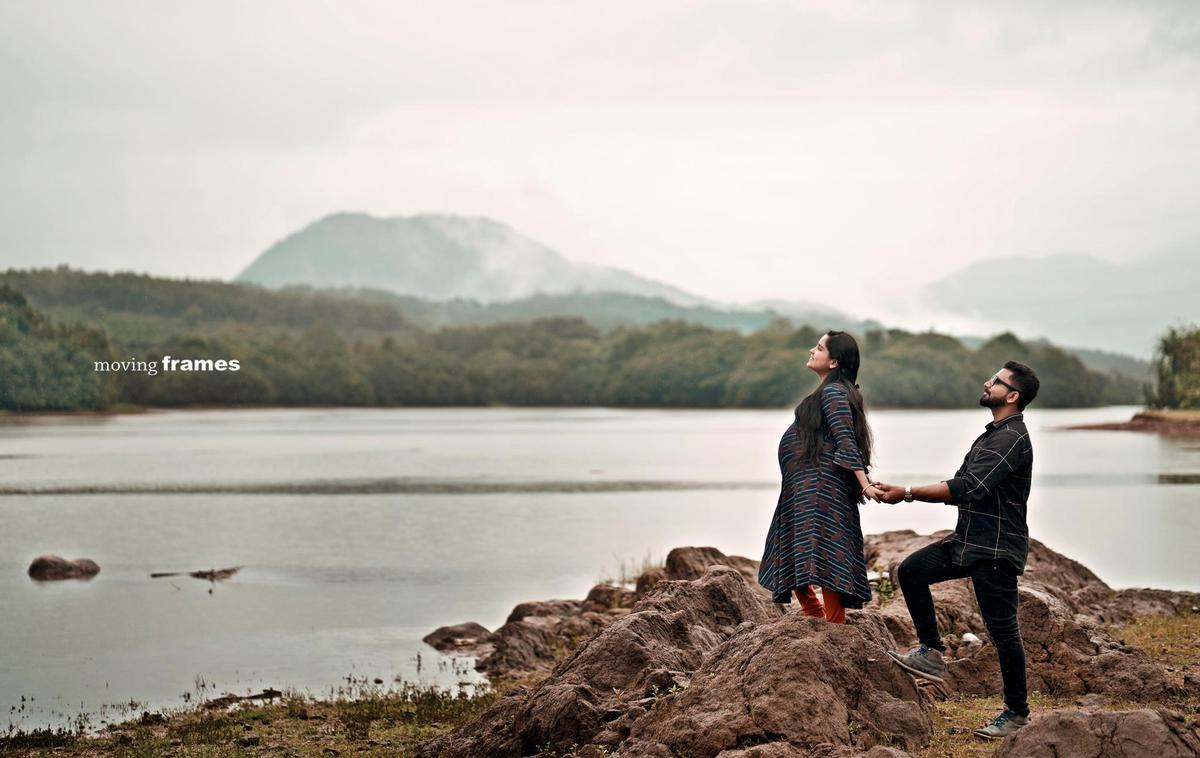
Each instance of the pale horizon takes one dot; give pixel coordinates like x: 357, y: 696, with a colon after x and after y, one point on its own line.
x: 847, y: 154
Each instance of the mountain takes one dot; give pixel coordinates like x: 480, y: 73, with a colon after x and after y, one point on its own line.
x: 1077, y: 299
x: 438, y: 257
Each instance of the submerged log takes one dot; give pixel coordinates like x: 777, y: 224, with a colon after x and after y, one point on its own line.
x: 227, y: 700
x: 211, y: 575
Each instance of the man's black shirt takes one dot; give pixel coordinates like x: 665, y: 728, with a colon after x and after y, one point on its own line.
x: 991, y: 490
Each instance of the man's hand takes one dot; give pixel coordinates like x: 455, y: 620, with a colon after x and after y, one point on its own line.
x: 892, y: 493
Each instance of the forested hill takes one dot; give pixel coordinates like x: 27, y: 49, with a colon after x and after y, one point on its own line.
x: 70, y: 294
x: 313, y: 348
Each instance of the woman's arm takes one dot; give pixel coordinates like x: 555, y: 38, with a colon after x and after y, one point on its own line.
x: 835, y: 408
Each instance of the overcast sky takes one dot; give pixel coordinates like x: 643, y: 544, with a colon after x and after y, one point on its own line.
x: 848, y: 153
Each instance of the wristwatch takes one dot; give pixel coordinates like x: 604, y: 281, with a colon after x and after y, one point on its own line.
x: 907, y: 493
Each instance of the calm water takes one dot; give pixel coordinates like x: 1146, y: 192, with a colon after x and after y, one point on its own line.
x: 362, y: 530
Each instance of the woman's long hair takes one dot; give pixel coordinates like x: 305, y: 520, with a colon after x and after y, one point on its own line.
x: 809, y: 421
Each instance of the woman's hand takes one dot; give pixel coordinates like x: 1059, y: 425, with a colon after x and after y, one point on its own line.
x: 873, y: 492
x: 889, y: 493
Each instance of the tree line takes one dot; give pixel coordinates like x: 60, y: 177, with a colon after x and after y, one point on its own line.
x: 544, y: 362
x: 1177, y: 370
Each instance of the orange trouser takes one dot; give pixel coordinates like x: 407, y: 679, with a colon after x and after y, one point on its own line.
x: 832, y: 611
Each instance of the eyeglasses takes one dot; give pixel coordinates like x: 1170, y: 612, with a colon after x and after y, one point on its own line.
x: 997, y: 380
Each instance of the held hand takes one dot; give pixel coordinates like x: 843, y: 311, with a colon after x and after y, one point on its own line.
x: 872, y: 492
x: 891, y: 493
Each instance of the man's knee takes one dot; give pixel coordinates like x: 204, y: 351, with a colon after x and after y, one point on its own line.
x: 1004, y: 631
x: 907, y: 573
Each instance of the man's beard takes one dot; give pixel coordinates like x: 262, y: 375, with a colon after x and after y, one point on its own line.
x: 988, y: 401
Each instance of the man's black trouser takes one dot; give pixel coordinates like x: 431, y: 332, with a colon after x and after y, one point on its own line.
x: 995, y: 589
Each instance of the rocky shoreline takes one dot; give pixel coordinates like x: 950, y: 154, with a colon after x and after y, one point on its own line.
x: 1168, y: 423
x: 698, y: 661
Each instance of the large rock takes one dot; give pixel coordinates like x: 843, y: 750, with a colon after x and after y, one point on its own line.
x: 518, y: 647
x: 797, y: 680
x: 668, y: 631
x: 544, y: 608
x: 538, y: 633
x: 692, y: 562
x: 707, y: 666
x: 1104, y: 734
x: 605, y: 597
x: 47, y: 568
x: 535, y: 643
x: 1066, y: 654
x: 1067, y: 578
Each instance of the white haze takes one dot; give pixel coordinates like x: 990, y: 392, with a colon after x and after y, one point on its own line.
x: 843, y: 153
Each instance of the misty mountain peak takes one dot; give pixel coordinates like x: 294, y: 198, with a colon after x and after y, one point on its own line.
x: 439, y: 257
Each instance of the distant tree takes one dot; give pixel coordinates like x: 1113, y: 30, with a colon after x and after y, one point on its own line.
x: 46, y: 366
x: 1177, y: 370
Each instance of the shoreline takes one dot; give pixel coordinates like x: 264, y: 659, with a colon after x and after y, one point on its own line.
x: 8, y: 415
x: 1157, y: 632
x: 1172, y: 423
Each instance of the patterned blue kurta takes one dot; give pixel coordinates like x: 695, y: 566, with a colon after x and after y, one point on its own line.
x: 815, y: 535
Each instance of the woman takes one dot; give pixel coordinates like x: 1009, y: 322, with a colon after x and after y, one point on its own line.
x: 815, y: 537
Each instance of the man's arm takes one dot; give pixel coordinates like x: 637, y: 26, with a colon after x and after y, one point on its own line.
x: 997, y: 457
x: 930, y: 493
x: 938, y: 492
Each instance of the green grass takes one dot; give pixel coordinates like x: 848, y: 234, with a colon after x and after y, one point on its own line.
x: 1173, y: 641
x: 375, y: 722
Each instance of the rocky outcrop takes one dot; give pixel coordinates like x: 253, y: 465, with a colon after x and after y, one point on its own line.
x: 1104, y: 734
x: 1066, y: 654
x: 667, y: 635
x: 706, y: 667
x: 1119, y: 606
x: 795, y: 680
x: 538, y: 633
x: 1068, y: 651
x: 605, y: 597
x: 544, y: 608
x: 704, y: 664
x: 49, y: 568
x: 692, y: 562
x: 702, y: 667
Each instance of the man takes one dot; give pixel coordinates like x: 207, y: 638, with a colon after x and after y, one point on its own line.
x: 989, y: 544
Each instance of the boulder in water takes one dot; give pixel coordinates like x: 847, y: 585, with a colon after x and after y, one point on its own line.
x: 51, y: 568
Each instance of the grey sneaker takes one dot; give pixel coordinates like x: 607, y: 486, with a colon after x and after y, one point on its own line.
x: 1002, y: 726
x: 925, y: 662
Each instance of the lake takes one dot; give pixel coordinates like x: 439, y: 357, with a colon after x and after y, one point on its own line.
x: 361, y: 530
